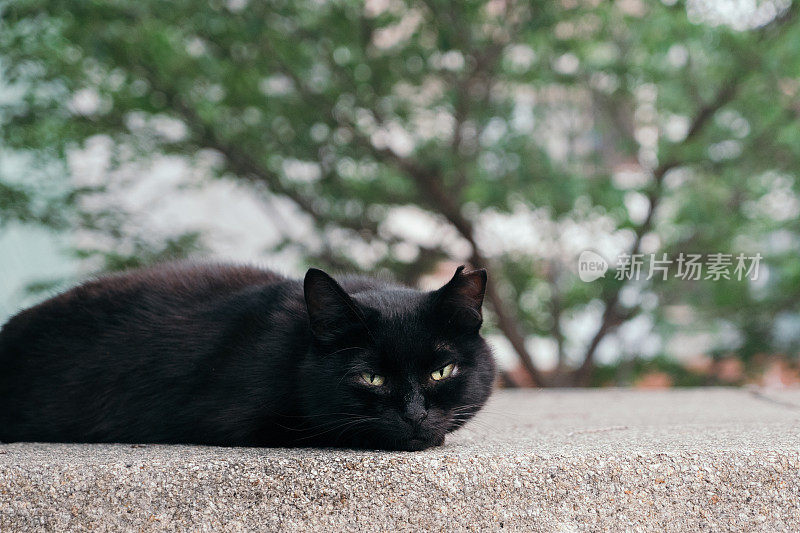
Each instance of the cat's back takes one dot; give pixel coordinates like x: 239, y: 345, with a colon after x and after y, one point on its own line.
x: 128, y: 299
x: 121, y: 357
x: 181, y: 280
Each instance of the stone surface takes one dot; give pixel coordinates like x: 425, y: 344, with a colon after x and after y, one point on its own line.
x: 681, y: 460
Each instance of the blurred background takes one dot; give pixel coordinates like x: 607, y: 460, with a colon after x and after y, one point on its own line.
x: 406, y: 138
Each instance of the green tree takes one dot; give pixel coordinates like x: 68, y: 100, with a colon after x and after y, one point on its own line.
x: 663, y: 125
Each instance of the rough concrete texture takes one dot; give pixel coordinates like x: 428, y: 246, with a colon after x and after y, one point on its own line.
x: 594, y: 460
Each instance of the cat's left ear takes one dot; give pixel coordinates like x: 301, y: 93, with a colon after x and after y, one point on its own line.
x: 459, y: 301
x: 332, y: 312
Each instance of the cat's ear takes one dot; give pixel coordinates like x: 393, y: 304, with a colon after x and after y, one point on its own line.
x: 459, y: 301
x: 332, y: 313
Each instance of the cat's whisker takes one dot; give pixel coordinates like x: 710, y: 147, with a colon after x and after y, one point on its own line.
x: 478, y: 410
x: 323, y: 432
x: 348, y: 428
x: 313, y: 415
x: 465, y: 418
x: 345, y: 418
x: 345, y: 376
x: 301, y: 429
x: 334, y: 422
x: 478, y: 425
x: 346, y: 349
x: 343, y: 426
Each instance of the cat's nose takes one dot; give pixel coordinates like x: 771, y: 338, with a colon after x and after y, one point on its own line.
x: 415, y: 415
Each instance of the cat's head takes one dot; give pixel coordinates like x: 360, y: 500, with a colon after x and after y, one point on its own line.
x: 393, y: 367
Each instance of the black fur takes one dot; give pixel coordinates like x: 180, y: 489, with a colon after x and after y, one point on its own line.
x: 238, y: 356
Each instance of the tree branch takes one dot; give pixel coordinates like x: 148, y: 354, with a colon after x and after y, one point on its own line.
x: 725, y: 94
x: 611, y: 315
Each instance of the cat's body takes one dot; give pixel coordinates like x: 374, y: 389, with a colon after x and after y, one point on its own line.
x: 229, y: 355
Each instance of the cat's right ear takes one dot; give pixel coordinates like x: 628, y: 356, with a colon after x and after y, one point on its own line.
x: 460, y: 300
x: 332, y: 312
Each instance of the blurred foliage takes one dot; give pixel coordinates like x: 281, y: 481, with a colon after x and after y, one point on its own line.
x: 570, y: 112
x: 633, y: 372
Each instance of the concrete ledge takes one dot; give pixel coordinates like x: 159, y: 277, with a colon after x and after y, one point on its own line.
x: 558, y: 460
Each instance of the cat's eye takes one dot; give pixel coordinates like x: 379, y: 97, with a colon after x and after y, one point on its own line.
x: 373, y: 379
x: 444, y: 372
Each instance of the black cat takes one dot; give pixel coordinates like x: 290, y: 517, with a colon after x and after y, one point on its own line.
x: 237, y: 356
